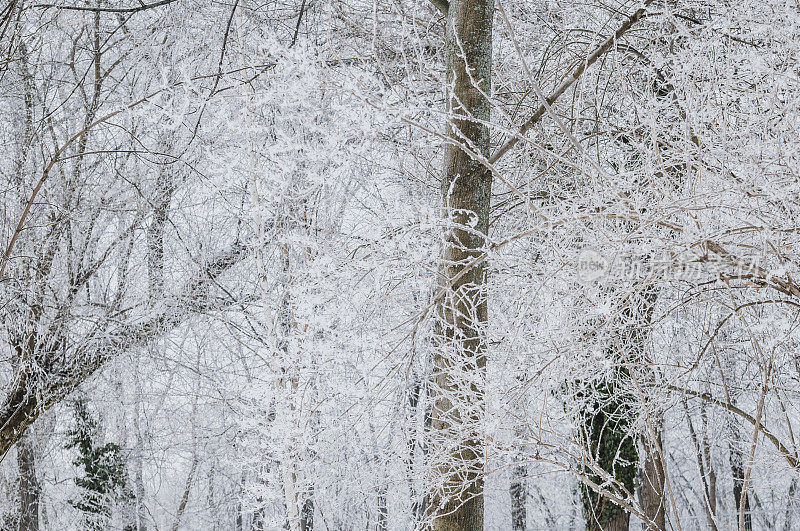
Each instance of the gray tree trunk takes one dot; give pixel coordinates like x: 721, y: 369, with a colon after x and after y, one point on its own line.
x: 790, y: 504
x: 460, y: 359
x: 651, y: 481
x: 416, y: 397
x: 519, y: 496
x: 307, y: 512
x: 29, y: 488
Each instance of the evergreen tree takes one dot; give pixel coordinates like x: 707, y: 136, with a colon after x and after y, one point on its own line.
x: 104, y: 475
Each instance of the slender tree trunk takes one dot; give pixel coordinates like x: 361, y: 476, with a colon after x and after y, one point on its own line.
x: 417, y: 401
x: 790, y: 504
x: 138, y: 483
x: 518, y: 488
x: 460, y: 359
x: 238, y: 521
x: 307, y: 512
x: 136, y: 462
x: 712, y: 475
x: 259, y: 517
x: 162, y: 197
x: 28, y: 485
x: 519, y: 496
x: 737, y: 472
x: 185, y: 498
x: 651, y: 483
x: 383, y: 511
x: 29, y: 488
x: 705, y: 467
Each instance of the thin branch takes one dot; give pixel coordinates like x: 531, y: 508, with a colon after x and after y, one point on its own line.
x: 135, y: 9
x: 185, y: 499
x: 751, y: 458
x: 299, y: 21
x: 754, y: 272
x: 699, y: 22
x: 57, y: 157
x: 592, y: 58
x: 791, y: 459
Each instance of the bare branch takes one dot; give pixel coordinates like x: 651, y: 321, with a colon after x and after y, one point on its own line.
x: 790, y: 458
x: 591, y: 59
x: 135, y: 9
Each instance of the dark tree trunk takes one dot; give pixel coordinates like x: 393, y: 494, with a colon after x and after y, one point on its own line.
x: 790, y: 504
x: 156, y: 231
x: 418, y: 403
x: 239, y: 519
x: 651, y: 484
x: 612, y: 445
x: 383, y: 511
x: 28, y: 486
x: 737, y: 472
x: 460, y: 359
x: 307, y: 512
x: 619, y: 523
x: 18, y: 411
x: 519, y: 497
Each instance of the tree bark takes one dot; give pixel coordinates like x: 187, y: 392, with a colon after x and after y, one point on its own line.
x: 186, y: 491
x: 416, y: 396
x: 787, y: 522
x: 518, y: 498
x: 383, y: 511
x: 161, y: 200
x: 651, y: 481
x: 619, y: 523
x: 705, y: 466
x: 460, y: 359
x: 29, y: 488
x: 611, y: 444
x: 737, y: 472
x: 307, y: 512
x: 136, y: 465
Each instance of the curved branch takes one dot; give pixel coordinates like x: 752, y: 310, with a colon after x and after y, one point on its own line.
x: 592, y: 58
x: 791, y: 459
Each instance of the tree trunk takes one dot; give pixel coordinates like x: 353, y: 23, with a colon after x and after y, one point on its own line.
x: 737, y: 472
x: 383, y: 511
x: 651, y: 481
x: 186, y: 491
x: 307, y: 512
x: 460, y: 359
x: 416, y: 444
x: 518, y: 498
x: 18, y: 411
x: 612, y: 446
x: 787, y: 522
x: 705, y: 466
x: 28, y: 486
x: 620, y: 523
